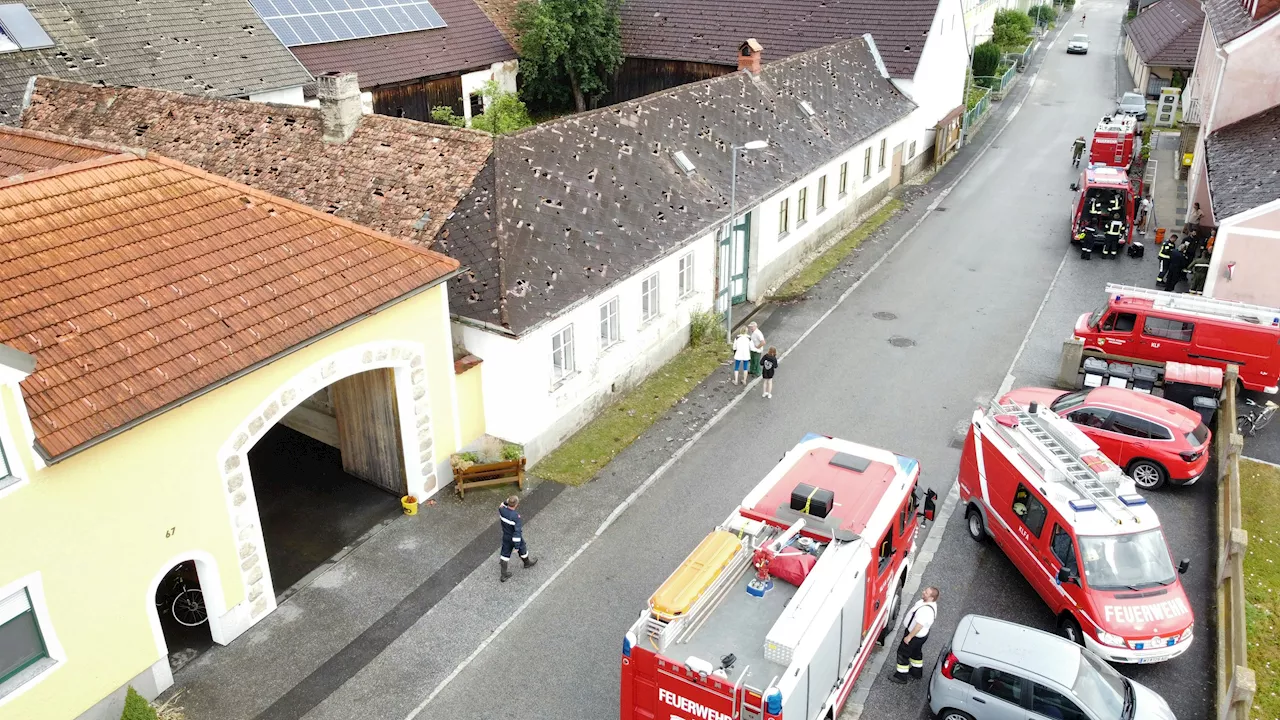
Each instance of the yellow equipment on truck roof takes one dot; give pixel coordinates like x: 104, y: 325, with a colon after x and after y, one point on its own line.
x: 680, y: 591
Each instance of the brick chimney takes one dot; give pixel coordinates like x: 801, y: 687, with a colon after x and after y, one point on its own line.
x: 339, y: 95
x: 749, y: 56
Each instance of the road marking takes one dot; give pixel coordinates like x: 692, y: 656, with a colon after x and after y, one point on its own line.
x: 662, y: 469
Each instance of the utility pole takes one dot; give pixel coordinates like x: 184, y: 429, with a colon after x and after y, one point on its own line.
x: 733, y: 229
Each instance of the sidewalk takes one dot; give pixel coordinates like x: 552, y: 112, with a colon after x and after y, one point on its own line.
x: 378, y: 632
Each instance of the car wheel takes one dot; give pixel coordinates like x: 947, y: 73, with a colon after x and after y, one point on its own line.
x: 950, y: 714
x: 977, y: 526
x: 1070, y: 629
x: 1147, y: 474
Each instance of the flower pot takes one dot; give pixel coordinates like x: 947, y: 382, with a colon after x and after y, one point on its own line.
x: 410, y: 504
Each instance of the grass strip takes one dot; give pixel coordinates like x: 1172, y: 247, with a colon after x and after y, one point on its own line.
x: 811, y: 275
x: 580, y: 457
x: 1259, y: 496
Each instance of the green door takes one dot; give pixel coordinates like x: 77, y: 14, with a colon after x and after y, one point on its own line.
x: 733, y: 265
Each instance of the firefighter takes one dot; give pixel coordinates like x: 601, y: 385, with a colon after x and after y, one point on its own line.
x: 915, y: 630
x: 1095, y: 207
x: 1176, y: 266
x: 1115, y: 229
x: 1077, y: 149
x: 1199, y: 272
x: 1166, y: 252
x: 512, y: 536
x: 1115, y: 203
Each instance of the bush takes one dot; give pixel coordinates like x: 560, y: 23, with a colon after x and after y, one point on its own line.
x: 1014, y: 18
x: 986, y: 58
x: 1042, y: 14
x: 1009, y: 37
x: 504, y: 113
x: 704, y: 326
x: 136, y: 707
x: 512, y: 452
x: 443, y: 114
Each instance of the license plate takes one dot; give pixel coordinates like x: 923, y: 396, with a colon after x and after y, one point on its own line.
x: 1156, y: 659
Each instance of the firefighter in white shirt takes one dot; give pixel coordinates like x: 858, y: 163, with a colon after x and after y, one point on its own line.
x: 915, y: 630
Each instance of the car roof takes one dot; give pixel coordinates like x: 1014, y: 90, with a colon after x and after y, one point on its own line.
x: 1133, y: 96
x: 1150, y: 407
x: 1031, y: 651
x: 1078, y: 36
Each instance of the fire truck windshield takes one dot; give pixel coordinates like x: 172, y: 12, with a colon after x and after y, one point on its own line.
x: 1099, y: 687
x: 1133, y: 561
x: 1096, y: 317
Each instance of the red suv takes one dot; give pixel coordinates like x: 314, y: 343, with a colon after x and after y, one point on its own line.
x: 1154, y: 439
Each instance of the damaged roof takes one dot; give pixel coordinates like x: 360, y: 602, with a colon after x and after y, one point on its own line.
x: 393, y: 175
x: 1242, y: 166
x: 138, y: 282
x: 469, y: 41
x: 570, y: 207
x: 203, y: 47
x: 1167, y: 33
x: 710, y: 31
x: 1229, y: 18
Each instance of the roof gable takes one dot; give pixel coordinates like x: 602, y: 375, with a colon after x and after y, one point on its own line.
x: 1240, y: 158
x: 137, y: 282
x: 1168, y: 33
x: 1229, y: 19
x: 710, y: 30
x: 204, y: 47
x: 23, y: 152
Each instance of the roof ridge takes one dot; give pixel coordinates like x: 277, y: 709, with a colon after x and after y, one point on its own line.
x: 67, y: 169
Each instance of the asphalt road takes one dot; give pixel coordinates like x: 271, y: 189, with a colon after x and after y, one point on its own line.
x: 964, y: 289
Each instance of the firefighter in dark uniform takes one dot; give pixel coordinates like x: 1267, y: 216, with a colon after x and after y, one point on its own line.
x: 915, y: 630
x: 1166, y: 252
x: 1111, y: 236
x: 512, y: 536
x: 1116, y: 202
x: 1077, y: 149
x: 1095, y: 206
x: 1176, y: 266
x: 1199, y: 271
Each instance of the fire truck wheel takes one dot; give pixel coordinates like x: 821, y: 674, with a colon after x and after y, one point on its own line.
x: 1070, y: 629
x: 977, y: 526
x: 950, y: 714
x: 1147, y: 474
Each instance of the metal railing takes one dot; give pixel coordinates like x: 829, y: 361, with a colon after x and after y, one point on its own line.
x: 972, y: 116
x: 1236, y: 682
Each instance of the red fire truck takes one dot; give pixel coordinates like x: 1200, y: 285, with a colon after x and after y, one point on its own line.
x: 1078, y: 531
x: 1101, y: 193
x: 1115, y: 140
x: 774, y: 614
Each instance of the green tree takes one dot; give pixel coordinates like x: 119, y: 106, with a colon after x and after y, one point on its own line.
x: 568, y: 48
x: 1009, y: 37
x: 443, y: 114
x: 986, y: 58
x: 1042, y: 14
x: 1015, y: 18
x: 503, y: 111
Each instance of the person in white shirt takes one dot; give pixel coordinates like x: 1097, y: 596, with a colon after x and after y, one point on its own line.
x: 757, y: 349
x: 915, y: 630
x: 741, y: 356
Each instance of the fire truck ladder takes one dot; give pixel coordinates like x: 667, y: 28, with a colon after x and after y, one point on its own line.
x: 682, y: 628
x: 1199, y: 305
x: 1081, y: 476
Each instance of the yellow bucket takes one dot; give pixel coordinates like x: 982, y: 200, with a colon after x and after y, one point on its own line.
x: 410, y: 504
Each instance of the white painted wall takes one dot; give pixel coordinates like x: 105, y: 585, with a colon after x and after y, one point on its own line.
x: 503, y: 72
x: 286, y: 96
x: 938, y: 84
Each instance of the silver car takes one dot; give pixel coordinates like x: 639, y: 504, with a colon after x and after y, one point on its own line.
x: 1078, y: 45
x: 1134, y: 104
x: 997, y: 670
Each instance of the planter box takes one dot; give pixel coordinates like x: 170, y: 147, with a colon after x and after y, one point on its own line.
x: 486, y: 474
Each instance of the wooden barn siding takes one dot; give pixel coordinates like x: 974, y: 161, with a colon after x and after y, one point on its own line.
x: 642, y: 76
x: 416, y: 98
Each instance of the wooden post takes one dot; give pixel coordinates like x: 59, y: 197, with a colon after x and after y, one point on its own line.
x: 1069, y: 368
x: 1237, y: 544
x: 1239, y: 696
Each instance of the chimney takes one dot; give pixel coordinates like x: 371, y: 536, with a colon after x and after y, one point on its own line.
x: 339, y: 95
x: 1262, y: 8
x: 749, y: 56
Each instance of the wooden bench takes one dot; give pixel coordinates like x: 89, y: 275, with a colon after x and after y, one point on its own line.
x: 485, y: 474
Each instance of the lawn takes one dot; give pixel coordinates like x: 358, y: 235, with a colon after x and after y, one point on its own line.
x: 798, y: 285
x: 1259, y: 497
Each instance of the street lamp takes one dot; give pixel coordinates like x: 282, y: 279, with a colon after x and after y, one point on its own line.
x: 733, y: 218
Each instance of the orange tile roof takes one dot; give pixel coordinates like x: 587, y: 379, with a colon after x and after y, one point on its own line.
x: 24, y: 152
x: 139, y: 281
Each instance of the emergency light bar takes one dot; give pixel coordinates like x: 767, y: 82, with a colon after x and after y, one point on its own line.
x: 1132, y: 500
x: 1083, y: 505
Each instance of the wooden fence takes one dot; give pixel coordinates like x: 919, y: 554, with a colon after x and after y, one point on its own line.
x: 1236, y: 682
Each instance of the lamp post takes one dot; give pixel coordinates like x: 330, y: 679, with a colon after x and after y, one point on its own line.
x: 733, y: 219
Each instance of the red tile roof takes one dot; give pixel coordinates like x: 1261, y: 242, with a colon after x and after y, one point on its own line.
x: 24, y: 152
x: 137, y: 282
x: 1167, y: 33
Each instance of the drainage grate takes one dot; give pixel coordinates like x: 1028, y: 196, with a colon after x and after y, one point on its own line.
x: 902, y: 342
x: 956, y: 443
x: 882, y: 315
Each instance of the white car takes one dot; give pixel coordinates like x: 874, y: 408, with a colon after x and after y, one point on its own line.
x: 1078, y: 45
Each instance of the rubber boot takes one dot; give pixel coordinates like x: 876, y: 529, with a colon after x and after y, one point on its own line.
x: 505, y: 572
x: 529, y: 561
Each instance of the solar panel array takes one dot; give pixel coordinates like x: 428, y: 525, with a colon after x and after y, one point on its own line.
x: 309, y: 22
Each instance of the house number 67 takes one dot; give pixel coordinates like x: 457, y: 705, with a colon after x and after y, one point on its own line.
x: 169, y: 533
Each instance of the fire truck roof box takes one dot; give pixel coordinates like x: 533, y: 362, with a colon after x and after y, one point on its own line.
x: 1117, y: 124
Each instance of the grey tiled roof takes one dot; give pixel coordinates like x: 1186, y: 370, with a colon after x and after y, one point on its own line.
x: 582, y: 202
x: 1167, y: 33
x: 1243, y: 160
x: 1230, y: 20
x: 205, y: 47
x: 710, y: 30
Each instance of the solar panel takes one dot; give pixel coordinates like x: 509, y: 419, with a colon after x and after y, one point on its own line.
x: 309, y: 22
x: 23, y: 30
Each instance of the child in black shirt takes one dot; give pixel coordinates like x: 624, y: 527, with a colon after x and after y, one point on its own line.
x: 769, y: 364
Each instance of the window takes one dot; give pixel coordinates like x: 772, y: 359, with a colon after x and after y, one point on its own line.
x: 822, y: 193
x: 1029, y: 510
x: 866, y: 164
x: 1063, y: 549
x: 1168, y: 329
x: 912, y: 151
x: 784, y: 223
x: 908, y: 512
x: 1137, y: 427
x: 477, y: 105
x: 609, y: 330
x: 960, y: 671
x: 884, y: 145
x: 1090, y: 417
x: 686, y: 275
x: 1054, y: 704
x: 562, y: 365
x: 886, y: 550
x: 649, y: 298
x: 802, y: 206
x: 844, y: 178
x: 1003, y: 685
x: 1120, y: 322
x: 21, y: 642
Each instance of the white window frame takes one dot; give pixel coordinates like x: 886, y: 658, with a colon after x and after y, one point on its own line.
x: 802, y: 206
x: 12, y: 476
x: 866, y: 163
x: 610, y: 323
x: 784, y: 217
x: 884, y: 148
x: 55, y: 656
x: 568, y: 365
x: 685, y: 281
x: 822, y: 194
x: 650, y: 298
x: 844, y: 179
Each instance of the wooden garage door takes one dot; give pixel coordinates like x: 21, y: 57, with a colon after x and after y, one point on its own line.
x: 369, y: 429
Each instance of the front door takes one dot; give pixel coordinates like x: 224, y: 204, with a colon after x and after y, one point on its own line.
x: 895, y: 177
x: 735, y: 258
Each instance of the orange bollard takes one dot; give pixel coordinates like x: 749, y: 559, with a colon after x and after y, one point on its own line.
x: 1159, y: 236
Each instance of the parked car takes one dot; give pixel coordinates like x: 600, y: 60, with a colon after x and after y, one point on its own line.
x: 1134, y: 104
x: 994, y: 670
x: 1154, y: 439
x: 1078, y: 45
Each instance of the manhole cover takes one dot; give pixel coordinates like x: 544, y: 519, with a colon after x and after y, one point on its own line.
x: 899, y: 341
x: 882, y: 315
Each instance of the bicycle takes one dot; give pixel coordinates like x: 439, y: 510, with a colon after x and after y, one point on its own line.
x: 1255, y: 417
x: 180, y: 600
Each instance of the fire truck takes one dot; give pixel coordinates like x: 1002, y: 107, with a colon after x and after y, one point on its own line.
x: 1101, y: 193
x: 1078, y: 531
x: 1115, y: 141
x: 776, y: 611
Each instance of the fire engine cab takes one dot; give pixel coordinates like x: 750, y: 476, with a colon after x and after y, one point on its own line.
x: 774, y: 613
x: 1078, y: 531
x: 1114, y: 141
